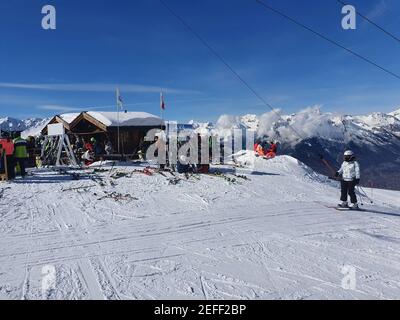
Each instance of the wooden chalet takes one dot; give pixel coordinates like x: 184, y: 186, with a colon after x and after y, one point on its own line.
x: 65, y: 119
x: 103, y: 126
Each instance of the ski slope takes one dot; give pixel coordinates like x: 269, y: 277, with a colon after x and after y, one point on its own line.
x: 270, y: 236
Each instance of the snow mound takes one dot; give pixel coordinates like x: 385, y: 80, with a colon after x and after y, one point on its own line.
x: 280, y: 165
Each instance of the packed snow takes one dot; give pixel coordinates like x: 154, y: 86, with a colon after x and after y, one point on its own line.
x: 261, y: 230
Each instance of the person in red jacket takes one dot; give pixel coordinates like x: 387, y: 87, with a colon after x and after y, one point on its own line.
x: 271, y: 152
x: 8, y: 146
x: 89, y: 146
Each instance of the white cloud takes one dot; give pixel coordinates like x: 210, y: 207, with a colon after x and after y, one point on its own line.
x: 62, y: 108
x: 94, y: 87
x: 379, y: 10
x: 53, y: 107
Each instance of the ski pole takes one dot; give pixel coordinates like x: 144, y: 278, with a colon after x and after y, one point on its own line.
x: 371, y: 185
x: 365, y: 194
x: 360, y: 196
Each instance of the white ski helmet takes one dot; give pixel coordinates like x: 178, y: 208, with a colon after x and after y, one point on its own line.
x: 349, y: 153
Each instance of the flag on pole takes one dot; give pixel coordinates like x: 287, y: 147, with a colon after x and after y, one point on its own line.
x: 119, y: 99
x: 162, y: 102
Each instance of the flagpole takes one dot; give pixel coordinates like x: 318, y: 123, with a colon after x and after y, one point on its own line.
x: 118, y: 125
x: 161, y: 108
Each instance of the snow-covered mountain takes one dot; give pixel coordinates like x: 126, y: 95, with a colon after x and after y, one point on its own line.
x: 28, y: 127
x: 7, y: 124
x: 311, y: 133
x: 34, y: 127
x: 395, y: 113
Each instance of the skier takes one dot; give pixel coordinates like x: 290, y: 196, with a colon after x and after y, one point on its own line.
x: 350, y: 172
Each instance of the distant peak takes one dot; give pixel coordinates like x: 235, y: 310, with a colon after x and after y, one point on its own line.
x: 395, y: 113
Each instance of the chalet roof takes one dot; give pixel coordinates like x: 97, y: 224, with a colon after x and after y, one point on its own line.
x: 69, y: 117
x: 126, y: 119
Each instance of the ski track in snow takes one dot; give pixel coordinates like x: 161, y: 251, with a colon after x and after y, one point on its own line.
x: 269, y: 237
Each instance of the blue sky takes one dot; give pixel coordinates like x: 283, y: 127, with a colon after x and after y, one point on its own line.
x: 141, y: 47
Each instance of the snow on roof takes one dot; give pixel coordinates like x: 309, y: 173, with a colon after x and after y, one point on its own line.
x: 69, y: 117
x: 126, y: 119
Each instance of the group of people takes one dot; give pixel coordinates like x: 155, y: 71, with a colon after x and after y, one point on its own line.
x: 92, y: 148
x: 264, y: 149
x: 16, y: 156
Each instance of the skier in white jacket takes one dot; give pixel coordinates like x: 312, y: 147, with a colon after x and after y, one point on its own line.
x: 350, y: 172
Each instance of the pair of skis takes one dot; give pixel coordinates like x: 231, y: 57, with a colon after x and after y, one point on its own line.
x: 64, y: 171
x: 345, y: 208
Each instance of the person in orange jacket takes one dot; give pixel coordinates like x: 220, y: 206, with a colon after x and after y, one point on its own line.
x: 260, y: 150
x: 8, y: 146
x: 271, y: 152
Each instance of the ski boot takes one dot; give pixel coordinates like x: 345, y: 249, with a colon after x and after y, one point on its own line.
x: 343, y: 205
x: 354, y: 206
